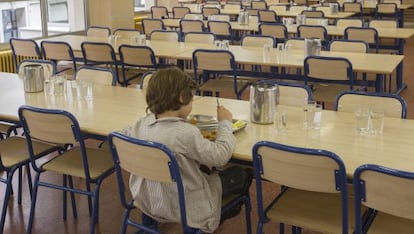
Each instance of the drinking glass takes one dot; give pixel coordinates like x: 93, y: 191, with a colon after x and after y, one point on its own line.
x: 307, y: 112
x: 280, y: 120
x: 362, y: 119
x: 377, y: 120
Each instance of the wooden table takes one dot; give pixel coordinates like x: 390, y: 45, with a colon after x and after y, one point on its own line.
x: 328, y: 15
x: 113, y: 108
x: 381, y: 64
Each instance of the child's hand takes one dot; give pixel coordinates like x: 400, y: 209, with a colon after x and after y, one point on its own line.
x: 224, y: 114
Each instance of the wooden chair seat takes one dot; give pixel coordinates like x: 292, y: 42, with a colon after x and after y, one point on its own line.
x: 385, y: 223
x: 70, y: 163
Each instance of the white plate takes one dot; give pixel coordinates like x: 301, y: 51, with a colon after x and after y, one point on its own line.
x: 202, y: 119
x: 236, y: 129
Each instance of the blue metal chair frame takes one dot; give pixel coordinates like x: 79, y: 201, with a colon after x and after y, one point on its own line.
x: 159, y: 7
x: 350, y: 73
x: 39, y: 169
x: 12, y: 46
x: 305, y: 87
x: 102, y: 69
x: 113, y: 60
x: 206, y: 73
x: 376, y: 38
x: 324, y: 40
x: 276, y: 17
x: 340, y: 180
x: 69, y: 50
x: 221, y: 37
x: 385, y: 95
x: 362, y: 223
x: 175, y: 176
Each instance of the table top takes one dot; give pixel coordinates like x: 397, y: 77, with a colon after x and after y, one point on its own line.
x: 372, y: 4
x: 113, y: 108
x: 329, y: 15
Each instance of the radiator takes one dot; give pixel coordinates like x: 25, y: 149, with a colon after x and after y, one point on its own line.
x: 6, y: 62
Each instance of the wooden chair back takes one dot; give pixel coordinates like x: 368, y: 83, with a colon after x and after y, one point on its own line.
x: 349, y: 22
x: 125, y: 33
x: 348, y: 46
x: 383, y: 24
x: 260, y: 5
x: 98, y: 31
x: 257, y: 41
x: 96, y: 75
x: 206, y: 11
x: 162, y: 35
x: 24, y: 49
x: 315, y: 31
x: 207, y: 38
x: 180, y: 12
x: 159, y: 12
x: 150, y: 25
x: 187, y: 26
x: 340, y: 69
x: 278, y: 31
x: 313, y: 14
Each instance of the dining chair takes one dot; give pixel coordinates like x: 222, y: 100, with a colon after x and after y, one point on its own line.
x: 156, y: 162
x: 200, y: 37
x: 100, y: 54
x: 179, y: 12
x: 313, y: 184
x: 145, y: 78
x: 257, y: 41
x: 394, y: 105
x: 210, y: 69
x: 136, y: 60
x: 24, y: 49
x: 383, y: 24
x: 386, y: 10
x: 206, y: 11
x: 349, y: 22
x: 278, y: 31
x: 268, y: 16
x: 164, y: 35
x: 386, y: 45
x: 98, y: 31
x: 159, y: 12
x: 187, y: 26
x: 149, y: 25
x: 62, y: 54
x: 389, y: 195
x: 313, y: 14
x: 327, y: 83
x: 92, y: 165
x: 252, y: 12
x: 260, y: 5
x: 292, y: 94
x: 96, y: 75
x: 355, y: 46
x: 13, y: 157
x: 368, y: 35
x: 126, y: 33
x: 355, y: 7
x: 221, y: 29
x: 315, y: 31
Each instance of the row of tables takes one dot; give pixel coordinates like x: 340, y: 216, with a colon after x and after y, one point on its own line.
x: 380, y: 64
x: 113, y: 108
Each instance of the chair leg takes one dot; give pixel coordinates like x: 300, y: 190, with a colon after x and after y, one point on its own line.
x: 19, y: 186
x: 33, y: 204
x: 125, y: 221
x: 248, y: 209
x: 72, y: 198
x: 95, y: 208
x: 64, y: 197
x: 29, y: 179
x: 88, y: 188
x: 6, y: 198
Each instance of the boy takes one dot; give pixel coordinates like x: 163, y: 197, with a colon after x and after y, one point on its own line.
x: 169, y: 100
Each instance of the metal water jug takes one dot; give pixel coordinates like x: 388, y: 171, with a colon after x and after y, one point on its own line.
x: 33, y: 78
x: 312, y: 46
x: 263, y: 101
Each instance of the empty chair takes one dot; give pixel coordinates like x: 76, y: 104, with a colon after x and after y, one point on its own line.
x: 313, y: 14
x: 159, y: 12
x: 162, y: 35
x: 210, y: 64
x: 100, y: 54
x: 96, y: 75
x: 257, y: 41
x: 221, y: 29
x: 260, y: 5
x: 90, y: 164
x: 204, y: 37
x: 207, y: 11
x: 295, y: 44
x: 161, y: 166
x: 386, y: 10
x: 149, y: 25
x: 389, y: 195
x: 349, y: 22
x: 368, y: 35
x: 383, y: 24
x: 310, y: 179
x: 277, y: 8
x: 98, y: 31
x: 140, y: 59
x: 278, y: 31
x: 393, y: 104
x: 126, y: 33
x: 328, y: 82
x: 267, y: 16
x: 61, y: 53
x: 355, y: 7
x: 24, y: 49
x: 348, y: 46
x: 180, y: 12
x: 315, y: 31
x: 187, y: 26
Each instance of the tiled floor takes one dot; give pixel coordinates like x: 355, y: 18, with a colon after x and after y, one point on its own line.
x: 48, y: 217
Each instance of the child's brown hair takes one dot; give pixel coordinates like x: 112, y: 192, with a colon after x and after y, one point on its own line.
x: 165, y: 89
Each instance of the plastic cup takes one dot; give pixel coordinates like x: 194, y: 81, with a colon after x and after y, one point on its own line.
x: 377, y: 121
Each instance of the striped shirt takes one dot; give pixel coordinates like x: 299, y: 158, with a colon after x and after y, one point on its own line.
x: 202, y: 191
